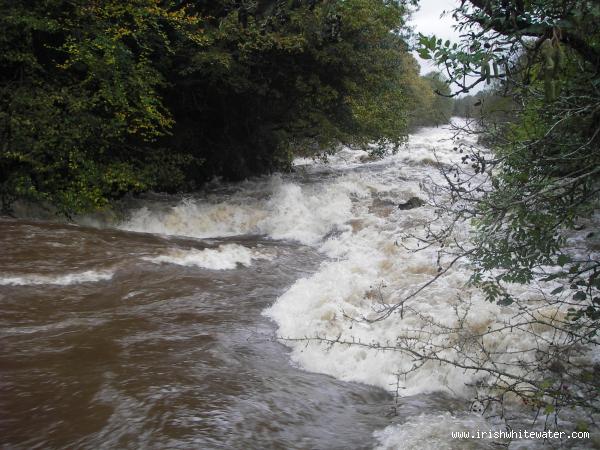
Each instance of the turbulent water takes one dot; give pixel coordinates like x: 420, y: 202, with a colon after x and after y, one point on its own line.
x: 160, y: 331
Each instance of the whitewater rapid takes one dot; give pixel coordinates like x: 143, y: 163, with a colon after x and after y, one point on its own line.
x: 347, y: 209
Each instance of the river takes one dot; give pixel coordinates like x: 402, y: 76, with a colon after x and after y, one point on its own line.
x: 160, y: 330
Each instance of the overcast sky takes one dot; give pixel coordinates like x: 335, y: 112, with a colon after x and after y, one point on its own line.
x: 428, y: 21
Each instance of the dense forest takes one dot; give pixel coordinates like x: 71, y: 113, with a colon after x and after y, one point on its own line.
x: 100, y: 99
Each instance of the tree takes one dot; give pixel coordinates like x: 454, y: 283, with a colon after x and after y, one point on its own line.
x: 426, y: 97
x: 284, y: 77
x: 99, y: 99
x: 538, y: 185
x: 440, y: 109
x: 80, y: 99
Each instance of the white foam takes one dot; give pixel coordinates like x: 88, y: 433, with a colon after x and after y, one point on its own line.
x: 88, y: 276
x: 281, y: 210
x: 304, y: 216
x: 434, y: 432
x: 369, y: 266
x: 224, y: 257
x: 372, y: 268
x: 348, y: 211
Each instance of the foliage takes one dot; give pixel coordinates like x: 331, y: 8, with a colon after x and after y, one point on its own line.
x: 434, y: 104
x: 79, y: 96
x: 427, y: 100
x: 546, y: 154
x: 539, y: 184
x: 104, y: 98
x: 489, y: 105
x: 278, y: 78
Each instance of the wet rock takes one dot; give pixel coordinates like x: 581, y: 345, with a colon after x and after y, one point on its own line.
x: 382, y: 207
x: 413, y: 202
x: 336, y: 232
x: 366, y: 158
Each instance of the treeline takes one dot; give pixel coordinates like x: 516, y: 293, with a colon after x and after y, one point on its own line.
x: 98, y: 99
x: 429, y: 99
x: 492, y: 105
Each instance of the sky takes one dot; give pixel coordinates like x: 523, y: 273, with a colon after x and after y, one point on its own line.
x: 428, y: 21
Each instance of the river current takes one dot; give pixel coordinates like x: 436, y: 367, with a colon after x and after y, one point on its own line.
x: 160, y: 330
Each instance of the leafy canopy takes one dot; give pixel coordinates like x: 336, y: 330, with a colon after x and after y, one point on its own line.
x: 99, y: 99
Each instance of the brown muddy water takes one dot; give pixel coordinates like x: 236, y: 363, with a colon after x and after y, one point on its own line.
x: 159, y: 356
x: 160, y: 330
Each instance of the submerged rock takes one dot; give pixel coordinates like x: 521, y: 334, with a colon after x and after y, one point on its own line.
x: 413, y: 202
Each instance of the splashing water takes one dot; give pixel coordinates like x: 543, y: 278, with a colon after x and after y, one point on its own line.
x: 313, y: 252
